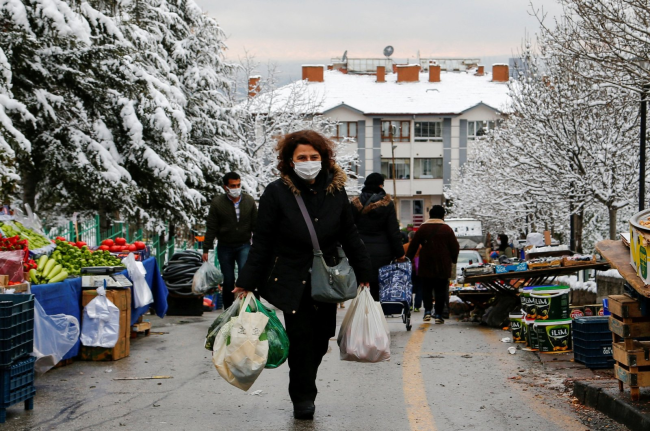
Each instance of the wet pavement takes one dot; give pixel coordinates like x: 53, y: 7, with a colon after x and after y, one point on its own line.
x: 456, y: 376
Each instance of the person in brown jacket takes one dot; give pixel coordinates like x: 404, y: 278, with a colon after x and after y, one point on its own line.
x: 439, y: 251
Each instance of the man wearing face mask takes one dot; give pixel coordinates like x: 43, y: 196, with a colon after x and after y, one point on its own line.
x: 231, y: 220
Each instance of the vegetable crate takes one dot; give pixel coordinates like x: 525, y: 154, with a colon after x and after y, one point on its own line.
x: 628, y: 324
x: 16, y: 327
x: 16, y: 385
x: 592, y: 342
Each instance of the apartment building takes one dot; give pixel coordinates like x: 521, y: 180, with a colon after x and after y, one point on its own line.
x: 432, y: 116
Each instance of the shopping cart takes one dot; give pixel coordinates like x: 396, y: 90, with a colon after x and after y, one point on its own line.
x: 396, y: 290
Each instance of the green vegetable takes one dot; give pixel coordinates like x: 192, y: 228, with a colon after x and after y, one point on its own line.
x: 56, y: 270
x: 62, y: 276
x: 48, y: 267
x: 41, y: 262
x: 32, y: 276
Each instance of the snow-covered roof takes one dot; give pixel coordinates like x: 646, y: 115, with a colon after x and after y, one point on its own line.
x: 455, y: 94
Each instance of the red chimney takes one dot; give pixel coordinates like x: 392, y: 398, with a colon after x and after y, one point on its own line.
x: 381, y: 73
x: 330, y: 67
x: 253, y: 85
x: 500, y: 73
x: 481, y: 70
x: 408, y: 73
x: 434, y: 73
x: 313, y: 73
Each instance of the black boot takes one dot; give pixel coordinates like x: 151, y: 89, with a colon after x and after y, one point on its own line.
x: 304, y: 410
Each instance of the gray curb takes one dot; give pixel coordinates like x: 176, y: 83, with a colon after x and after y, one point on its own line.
x: 593, y: 396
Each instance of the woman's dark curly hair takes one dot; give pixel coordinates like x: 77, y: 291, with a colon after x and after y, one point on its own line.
x: 287, y: 145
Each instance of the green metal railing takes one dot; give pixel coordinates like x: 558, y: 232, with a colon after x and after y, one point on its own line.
x: 90, y: 233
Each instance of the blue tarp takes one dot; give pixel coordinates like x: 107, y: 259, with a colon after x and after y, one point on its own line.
x: 65, y: 297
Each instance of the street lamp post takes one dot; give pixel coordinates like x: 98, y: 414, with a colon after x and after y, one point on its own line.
x: 642, y: 133
x: 393, y: 146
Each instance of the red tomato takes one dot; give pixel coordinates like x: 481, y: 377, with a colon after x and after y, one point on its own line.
x: 115, y: 248
x: 139, y: 245
x: 72, y: 243
x: 80, y: 244
x: 132, y: 247
x: 108, y: 242
x: 120, y: 241
x: 104, y: 247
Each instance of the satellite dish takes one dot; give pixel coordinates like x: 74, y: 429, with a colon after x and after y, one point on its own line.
x: 388, y: 51
x: 344, y: 59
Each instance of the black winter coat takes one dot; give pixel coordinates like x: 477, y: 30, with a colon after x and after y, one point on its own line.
x: 280, y: 259
x: 378, y: 228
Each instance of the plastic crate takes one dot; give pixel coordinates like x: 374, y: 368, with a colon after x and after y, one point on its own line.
x: 593, y: 362
x: 592, y: 328
x: 17, y: 385
x: 593, y: 353
x: 16, y: 327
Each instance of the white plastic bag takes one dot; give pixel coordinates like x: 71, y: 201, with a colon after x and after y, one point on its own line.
x: 239, y: 355
x: 206, y: 279
x: 364, y: 335
x: 101, y: 322
x: 141, y: 291
x: 54, y: 336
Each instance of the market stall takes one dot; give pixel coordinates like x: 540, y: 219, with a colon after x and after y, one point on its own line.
x: 65, y: 297
x: 510, y: 282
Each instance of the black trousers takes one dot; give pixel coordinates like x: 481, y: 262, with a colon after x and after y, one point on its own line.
x: 374, y: 290
x: 438, y: 287
x: 309, y: 331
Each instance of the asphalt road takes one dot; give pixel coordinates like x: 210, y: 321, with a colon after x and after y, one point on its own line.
x: 456, y: 376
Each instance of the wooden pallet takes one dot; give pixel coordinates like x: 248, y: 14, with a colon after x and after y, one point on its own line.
x: 140, y: 328
x: 632, y: 357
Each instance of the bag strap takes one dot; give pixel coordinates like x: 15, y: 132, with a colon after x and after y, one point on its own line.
x: 310, y: 225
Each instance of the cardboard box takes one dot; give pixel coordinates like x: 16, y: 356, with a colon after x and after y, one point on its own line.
x: 639, y: 249
x: 4, y: 280
x: 122, y: 300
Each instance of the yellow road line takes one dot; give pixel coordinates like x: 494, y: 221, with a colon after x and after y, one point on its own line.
x: 417, y: 407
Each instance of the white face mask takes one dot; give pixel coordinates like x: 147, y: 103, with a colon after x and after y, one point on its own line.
x: 308, y: 170
x: 235, y: 193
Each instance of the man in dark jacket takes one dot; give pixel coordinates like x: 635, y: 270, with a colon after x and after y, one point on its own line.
x: 231, y: 220
x: 376, y: 219
x: 439, y: 251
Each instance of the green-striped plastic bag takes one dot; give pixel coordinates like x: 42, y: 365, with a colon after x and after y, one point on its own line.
x: 276, y: 335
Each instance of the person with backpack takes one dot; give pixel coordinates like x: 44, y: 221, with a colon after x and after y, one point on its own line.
x: 376, y: 219
x: 439, y: 251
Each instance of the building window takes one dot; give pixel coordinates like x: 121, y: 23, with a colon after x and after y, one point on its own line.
x: 479, y: 128
x: 402, y: 132
x: 428, y: 131
x: 346, y: 129
x: 427, y: 168
x: 402, y: 168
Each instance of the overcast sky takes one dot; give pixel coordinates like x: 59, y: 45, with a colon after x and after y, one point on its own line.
x: 292, y: 32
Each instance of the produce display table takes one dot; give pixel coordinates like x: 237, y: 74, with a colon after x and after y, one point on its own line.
x: 65, y: 297
x: 618, y: 255
x: 533, y: 277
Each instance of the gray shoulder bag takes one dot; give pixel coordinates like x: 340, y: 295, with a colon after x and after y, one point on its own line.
x: 332, y: 284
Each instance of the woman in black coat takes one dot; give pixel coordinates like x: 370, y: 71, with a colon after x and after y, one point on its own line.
x: 280, y: 259
x: 376, y: 219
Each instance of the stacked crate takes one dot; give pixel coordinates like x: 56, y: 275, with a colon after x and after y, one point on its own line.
x: 592, y: 342
x: 628, y: 325
x: 16, y: 344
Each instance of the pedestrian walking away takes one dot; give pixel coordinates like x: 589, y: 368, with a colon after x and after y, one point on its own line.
x: 504, y: 246
x: 439, y: 251
x: 281, y: 257
x: 376, y: 219
x: 417, y: 283
x: 231, y: 220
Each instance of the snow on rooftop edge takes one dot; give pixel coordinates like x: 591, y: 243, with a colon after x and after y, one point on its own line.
x: 454, y: 94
